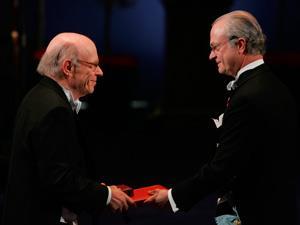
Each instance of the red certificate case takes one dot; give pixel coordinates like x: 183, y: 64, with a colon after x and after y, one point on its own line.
x: 140, y: 194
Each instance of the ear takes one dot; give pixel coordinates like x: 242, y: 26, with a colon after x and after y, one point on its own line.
x: 67, y: 67
x: 241, y: 45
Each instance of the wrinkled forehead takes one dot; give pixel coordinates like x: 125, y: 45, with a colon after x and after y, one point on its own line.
x: 218, y: 32
x: 87, y: 48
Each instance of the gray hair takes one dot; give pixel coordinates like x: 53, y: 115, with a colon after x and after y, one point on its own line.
x: 242, y: 24
x: 51, y: 61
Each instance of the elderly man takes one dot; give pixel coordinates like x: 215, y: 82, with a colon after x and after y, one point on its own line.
x: 253, y: 168
x: 48, y: 181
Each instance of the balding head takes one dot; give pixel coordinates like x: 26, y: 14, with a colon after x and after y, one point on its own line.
x: 64, y: 46
x: 78, y: 40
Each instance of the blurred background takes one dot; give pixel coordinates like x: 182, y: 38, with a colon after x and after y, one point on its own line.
x: 148, y: 121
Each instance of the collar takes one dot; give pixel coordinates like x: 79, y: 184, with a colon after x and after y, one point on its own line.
x: 75, y: 104
x: 232, y: 84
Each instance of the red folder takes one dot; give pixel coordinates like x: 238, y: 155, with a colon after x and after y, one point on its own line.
x: 140, y: 194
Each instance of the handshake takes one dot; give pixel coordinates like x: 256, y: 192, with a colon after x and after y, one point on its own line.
x: 123, y: 196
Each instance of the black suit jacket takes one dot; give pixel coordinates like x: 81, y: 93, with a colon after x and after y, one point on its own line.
x: 47, y: 167
x: 255, y: 158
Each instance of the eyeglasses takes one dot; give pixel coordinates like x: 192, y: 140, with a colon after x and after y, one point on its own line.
x: 91, y: 65
x: 217, y: 47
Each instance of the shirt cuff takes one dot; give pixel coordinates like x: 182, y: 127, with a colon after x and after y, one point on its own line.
x: 172, y: 202
x: 108, y: 196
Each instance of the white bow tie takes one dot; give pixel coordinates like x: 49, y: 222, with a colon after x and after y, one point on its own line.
x: 76, y: 105
x: 231, y: 85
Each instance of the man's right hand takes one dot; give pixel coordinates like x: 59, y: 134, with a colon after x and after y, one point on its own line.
x: 120, y: 201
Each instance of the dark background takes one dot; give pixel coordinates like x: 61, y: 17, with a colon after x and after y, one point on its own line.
x: 148, y: 121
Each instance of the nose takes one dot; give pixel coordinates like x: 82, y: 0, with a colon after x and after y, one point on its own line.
x: 99, y: 71
x: 212, y: 55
